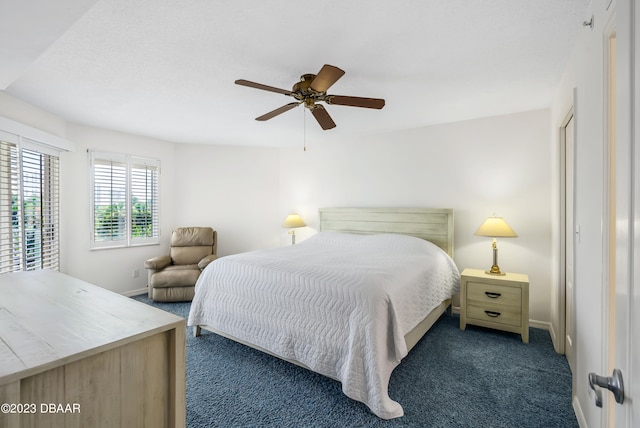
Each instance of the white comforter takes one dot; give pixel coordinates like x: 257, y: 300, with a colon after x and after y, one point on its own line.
x: 338, y: 303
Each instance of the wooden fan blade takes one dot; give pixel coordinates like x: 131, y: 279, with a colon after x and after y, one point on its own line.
x: 327, y: 76
x: 323, y: 118
x: 263, y: 87
x: 277, y: 111
x: 356, y: 101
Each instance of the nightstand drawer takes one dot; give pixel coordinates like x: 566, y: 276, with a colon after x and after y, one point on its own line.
x: 507, y: 315
x: 492, y: 293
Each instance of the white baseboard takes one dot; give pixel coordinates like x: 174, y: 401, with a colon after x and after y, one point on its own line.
x: 579, y: 415
x: 137, y: 292
x: 545, y: 325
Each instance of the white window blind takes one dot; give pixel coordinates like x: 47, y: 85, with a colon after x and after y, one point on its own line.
x: 29, y: 208
x: 124, y: 200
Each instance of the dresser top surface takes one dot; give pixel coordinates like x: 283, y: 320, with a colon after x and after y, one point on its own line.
x: 48, y: 318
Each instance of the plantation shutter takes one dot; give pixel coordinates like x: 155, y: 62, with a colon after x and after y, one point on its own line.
x: 40, y: 190
x: 29, y: 209
x: 144, y: 200
x: 10, y: 231
x: 109, y: 201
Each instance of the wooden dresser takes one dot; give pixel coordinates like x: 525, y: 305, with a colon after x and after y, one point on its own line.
x: 73, y: 354
x: 500, y: 302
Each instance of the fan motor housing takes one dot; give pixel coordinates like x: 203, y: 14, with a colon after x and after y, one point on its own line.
x: 303, y: 87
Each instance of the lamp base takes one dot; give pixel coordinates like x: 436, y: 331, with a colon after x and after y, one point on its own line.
x: 495, y: 270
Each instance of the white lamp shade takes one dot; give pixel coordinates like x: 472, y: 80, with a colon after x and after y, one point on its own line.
x: 495, y: 227
x: 293, y: 220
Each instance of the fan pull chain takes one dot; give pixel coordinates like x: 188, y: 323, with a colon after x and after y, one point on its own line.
x: 304, y: 128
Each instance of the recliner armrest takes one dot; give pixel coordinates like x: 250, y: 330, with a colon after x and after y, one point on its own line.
x: 157, y: 263
x: 205, y: 261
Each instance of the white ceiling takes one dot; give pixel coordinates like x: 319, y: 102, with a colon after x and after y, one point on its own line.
x: 166, y: 68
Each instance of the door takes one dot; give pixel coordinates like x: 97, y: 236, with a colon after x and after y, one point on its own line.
x: 627, y: 191
x: 568, y: 140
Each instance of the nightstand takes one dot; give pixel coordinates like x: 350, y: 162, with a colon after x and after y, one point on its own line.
x: 500, y: 302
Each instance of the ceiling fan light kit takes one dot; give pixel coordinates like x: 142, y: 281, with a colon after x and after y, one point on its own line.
x: 311, y: 89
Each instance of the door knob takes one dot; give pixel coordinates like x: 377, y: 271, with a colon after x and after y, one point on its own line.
x: 613, y: 384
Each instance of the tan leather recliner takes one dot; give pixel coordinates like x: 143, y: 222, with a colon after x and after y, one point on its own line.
x: 172, y: 278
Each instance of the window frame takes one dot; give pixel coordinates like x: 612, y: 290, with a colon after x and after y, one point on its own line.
x: 129, y: 162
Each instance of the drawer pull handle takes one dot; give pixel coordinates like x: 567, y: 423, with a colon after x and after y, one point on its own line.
x: 492, y: 295
x: 492, y: 314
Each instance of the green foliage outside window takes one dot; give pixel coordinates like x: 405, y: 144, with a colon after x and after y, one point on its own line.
x: 141, y: 219
x: 110, y: 220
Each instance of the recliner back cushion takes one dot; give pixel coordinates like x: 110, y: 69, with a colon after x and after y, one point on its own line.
x: 192, y: 236
x: 189, y: 245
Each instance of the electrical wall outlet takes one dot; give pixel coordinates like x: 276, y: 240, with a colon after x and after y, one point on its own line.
x: 135, y: 273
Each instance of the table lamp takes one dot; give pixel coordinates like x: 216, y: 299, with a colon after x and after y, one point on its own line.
x: 292, y: 221
x: 495, y: 227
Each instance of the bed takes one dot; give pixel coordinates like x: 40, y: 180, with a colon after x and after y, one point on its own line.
x: 349, y: 303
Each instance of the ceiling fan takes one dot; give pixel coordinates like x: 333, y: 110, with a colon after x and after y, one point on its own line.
x: 311, y: 89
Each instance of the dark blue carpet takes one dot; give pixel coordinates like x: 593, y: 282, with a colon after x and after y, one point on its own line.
x: 452, y: 378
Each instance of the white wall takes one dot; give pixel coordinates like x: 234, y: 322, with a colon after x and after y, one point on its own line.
x: 27, y: 114
x: 232, y: 189
x: 478, y: 167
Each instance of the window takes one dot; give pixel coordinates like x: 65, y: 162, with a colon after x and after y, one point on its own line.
x: 29, y: 206
x: 124, y: 200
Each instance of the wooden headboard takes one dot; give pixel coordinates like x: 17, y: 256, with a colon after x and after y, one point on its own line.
x: 431, y: 224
